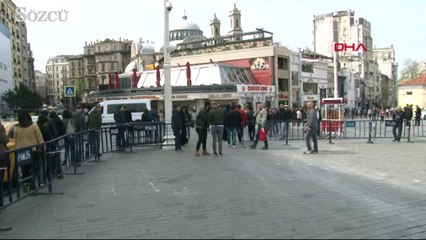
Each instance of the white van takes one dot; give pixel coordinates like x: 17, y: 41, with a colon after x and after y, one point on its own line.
x: 135, y: 106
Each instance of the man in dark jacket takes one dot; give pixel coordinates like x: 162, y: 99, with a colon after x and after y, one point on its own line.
x: 418, y: 115
x: 233, y: 121
x: 177, y: 125
x: 120, y: 120
x: 398, y: 117
x: 251, y: 122
x: 94, y: 123
x: 201, y: 126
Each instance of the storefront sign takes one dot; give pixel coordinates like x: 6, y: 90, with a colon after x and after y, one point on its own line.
x: 283, y: 95
x: 180, y: 96
x: 255, y: 88
x: 220, y: 96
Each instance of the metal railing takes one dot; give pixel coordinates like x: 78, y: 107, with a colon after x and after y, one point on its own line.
x: 28, y: 170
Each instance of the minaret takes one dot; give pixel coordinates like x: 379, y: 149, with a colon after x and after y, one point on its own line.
x: 215, y: 27
x: 235, y: 17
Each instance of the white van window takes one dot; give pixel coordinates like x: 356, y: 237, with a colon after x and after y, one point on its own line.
x: 132, y: 107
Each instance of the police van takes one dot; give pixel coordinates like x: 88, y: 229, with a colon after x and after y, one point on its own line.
x: 135, y: 106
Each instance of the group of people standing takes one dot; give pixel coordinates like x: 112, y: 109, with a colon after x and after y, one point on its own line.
x: 215, y: 119
x: 50, y: 126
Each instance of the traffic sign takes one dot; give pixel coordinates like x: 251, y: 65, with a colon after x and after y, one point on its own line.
x: 69, y: 91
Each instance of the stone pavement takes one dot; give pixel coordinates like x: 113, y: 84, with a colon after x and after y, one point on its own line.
x: 351, y: 189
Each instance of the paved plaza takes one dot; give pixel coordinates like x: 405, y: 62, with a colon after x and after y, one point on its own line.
x: 351, y: 189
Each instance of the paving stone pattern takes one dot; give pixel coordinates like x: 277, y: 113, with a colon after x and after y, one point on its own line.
x: 351, y: 189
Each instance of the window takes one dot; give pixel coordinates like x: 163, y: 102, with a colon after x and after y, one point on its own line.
x: 310, y: 88
x: 409, y: 93
x: 307, y: 67
x: 283, y: 63
x: 132, y: 107
x: 237, y: 24
x: 283, y: 85
x: 294, y: 78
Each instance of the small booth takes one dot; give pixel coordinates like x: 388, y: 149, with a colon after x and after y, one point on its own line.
x: 332, y: 109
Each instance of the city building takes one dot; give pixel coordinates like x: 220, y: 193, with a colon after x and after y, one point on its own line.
x: 343, y: 28
x: 41, y: 85
x: 101, y: 58
x: 385, y: 58
x: 58, y: 75
x: 21, y: 55
x: 413, y: 91
x: 314, y: 79
x: 251, y: 52
x: 76, y: 74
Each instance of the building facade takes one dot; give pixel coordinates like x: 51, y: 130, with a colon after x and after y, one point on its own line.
x: 101, y: 58
x: 41, y: 85
x: 342, y: 27
x: 58, y: 76
x: 22, y: 60
x: 413, y: 91
x: 385, y: 58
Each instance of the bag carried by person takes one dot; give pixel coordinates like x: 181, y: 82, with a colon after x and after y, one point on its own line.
x: 262, y: 135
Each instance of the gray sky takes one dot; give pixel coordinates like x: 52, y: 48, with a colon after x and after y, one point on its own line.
x: 396, y: 22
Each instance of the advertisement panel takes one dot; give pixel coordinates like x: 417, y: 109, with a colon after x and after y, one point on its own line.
x: 5, y: 65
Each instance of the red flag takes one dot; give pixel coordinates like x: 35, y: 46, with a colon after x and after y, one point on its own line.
x: 134, y: 79
x: 158, y: 76
x: 117, y: 83
x: 109, y: 81
x: 188, y: 74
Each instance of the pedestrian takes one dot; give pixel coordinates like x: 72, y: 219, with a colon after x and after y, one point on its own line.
x: 319, y: 119
x: 94, y: 123
x: 418, y: 115
x: 216, y: 119
x: 398, y: 117
x: 177, y: 125
x: 242, y: 125
x: 233, y: 121
x: 129, y: 120
x: 260, y: 116
x: 184, y: 134
x: 251, y: 122
x: 188, y: 122
x: 4, y: 139
x: 120, y: 120
x: 79, y: 119
x: 69, y: 131
x: 60, y: 128
x: 201, y: 127
x: 28, y: 134
x: 311, y: 129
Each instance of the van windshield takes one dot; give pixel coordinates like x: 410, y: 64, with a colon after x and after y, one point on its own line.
x: 132, y: 107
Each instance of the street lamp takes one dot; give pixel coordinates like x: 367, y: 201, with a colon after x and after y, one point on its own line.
x: 169, y: 137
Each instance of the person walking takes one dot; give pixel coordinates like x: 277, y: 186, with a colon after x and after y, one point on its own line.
x: 216, y: 119
x: 243, y: 124
x: 201, y: 127
x: 177, y: 126
x: 261, y: 117
x: 311, y: 129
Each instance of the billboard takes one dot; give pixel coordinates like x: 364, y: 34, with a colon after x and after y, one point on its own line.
x: 5, y: 65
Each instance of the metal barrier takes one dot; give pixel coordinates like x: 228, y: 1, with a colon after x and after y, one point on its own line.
x: 348, y: 129
x: 28, y: 170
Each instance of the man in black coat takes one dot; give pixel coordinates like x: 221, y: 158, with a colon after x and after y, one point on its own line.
x: 201, y: 127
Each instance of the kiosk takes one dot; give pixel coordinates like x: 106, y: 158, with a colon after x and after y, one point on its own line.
x: 332, y: 116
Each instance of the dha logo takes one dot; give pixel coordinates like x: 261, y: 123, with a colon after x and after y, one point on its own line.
x: 343, y: 47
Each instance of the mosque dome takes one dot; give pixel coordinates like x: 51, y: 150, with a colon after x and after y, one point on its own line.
x: 183, y: 29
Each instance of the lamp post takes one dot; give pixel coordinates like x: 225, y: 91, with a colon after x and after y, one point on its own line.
x: 169, y: 137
